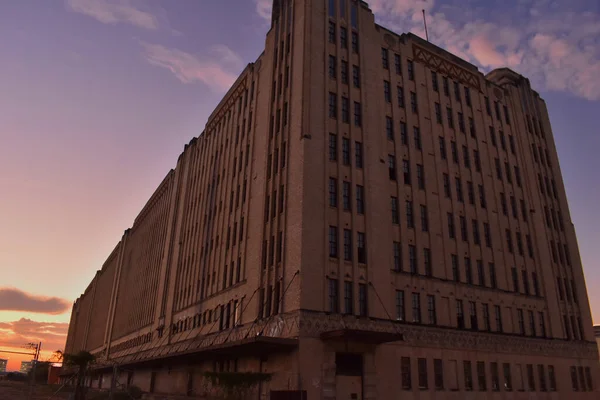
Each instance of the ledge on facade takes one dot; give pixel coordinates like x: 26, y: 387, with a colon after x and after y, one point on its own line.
x: 370, y: 337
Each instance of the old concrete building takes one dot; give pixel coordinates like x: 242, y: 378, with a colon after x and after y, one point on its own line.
x: 365, y: 216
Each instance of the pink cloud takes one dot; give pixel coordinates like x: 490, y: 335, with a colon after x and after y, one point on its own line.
x: 12, y: 299
x: 115, y: 11
x: 485, y: 52
x: 218, y: 71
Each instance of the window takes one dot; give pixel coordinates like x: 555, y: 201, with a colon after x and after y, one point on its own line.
x: 331, y: 30
x: 473, y: 315
x: 422, y: 366
x: 434, y: 81
x: 412, y: 259
x: 523, y: 210
x: 455, y: 270
x: 392, y: 167
x: 438, y: 113
x: 345, y: 151
x: 476, y: 238
x: 503, y: 204
x: 431, y: 314
x: 454, y: 149
x: 389, y: 128
x: 502, y: 140
x: 355, y: 76
x: 427, y: 261
x: 362, y: 248
x: 332, y: 192
x: 487, y: 234
x: 333, y: 245
x: 362, y: 300
x: 472, y: 127
x: 506, y: 116
x: 515, y: 279
x: 497, y: 108
x: 403, y: 134
x: 344, y: 37
x: 400, y: 91
x: 438, y: 374
x: 493, y: 136
x: 542, y: 377
x: 531, y: 317
x: 509, y: 243
x: 358, y: 154
x: 360, y: 202
x: 332, y: 105
x: 424, y: 218
x: 486, y: 317
x: 519, y: 243
x: 400, y: 307
x: 406, y: 172
x: 413, y: 102
x: 498, y: 315
x: 345, y: 110
x: 416, y: 308
x: 417, y: 137
x: 525, y: 279
x: 521, y: 320
x: 354, y: 40
x: 498, y: 168
x: 460, y: 315
x: 385, y: 62
x: 463, y: 229
x: 332, y: 67
x: 450, y: 118
x: 488, y: 109
x: 332, y: 147
x: 395, y: 216
x: 348, y: 298
x: 551, y: 378
x: 347, y: 245
x: 451, y: 228
x: 588, y: 378
x: 398, y: 64
x: 495, y: 377
x: 346, y: 195
x: 536, y: 287
x: 357, y: 114
x: 459, y: 192
x: 457, y: 91
x: 507, y: 377
x: 481, y: 377
x: 530, y: 378
x: 410, y: 220
x: 420, y: 177
x: 442, y: 148
x: 405, y: 370
x: 468, y: 375
x: 466, y: 158
x: 508, y: 173
x: 386, y: 92
x: 461, y: 122
x: 446, y: 86
x: 397, y: 257
x: 333, y: 295
x: 411, y: 70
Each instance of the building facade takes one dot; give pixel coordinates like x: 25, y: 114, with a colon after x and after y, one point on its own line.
x: 3, y: 364
x: 25, y: 366
x: 365, y: 215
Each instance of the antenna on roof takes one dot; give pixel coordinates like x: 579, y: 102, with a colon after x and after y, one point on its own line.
x: 425, y: 23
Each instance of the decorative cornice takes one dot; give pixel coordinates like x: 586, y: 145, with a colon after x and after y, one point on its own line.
x: 440, y: 64
x: 228, y: 103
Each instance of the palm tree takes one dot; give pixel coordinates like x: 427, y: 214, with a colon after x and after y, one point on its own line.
x: 80, y: 360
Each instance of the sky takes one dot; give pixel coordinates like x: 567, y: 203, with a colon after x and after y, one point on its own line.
x: 98, y: 98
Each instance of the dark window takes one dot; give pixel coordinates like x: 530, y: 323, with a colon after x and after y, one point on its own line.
x: 424, y: 218
x: 493, y: 136
x: 468, y: 372
x: 542, y: 377
x: 362, y: 300
x: 358, y: 154
x: 431, y: 313
x: 347, y: 245
x: 331, y: 31
x: 427, y: 261
x: 530, y: 378
x: 476, y: 238
x: 509, y: 243
x: 345, y: 110
x: 574, y: 382
x: 461, y: 122
x: 395, y: 214
x: 468, y: 96
x: 333, y: 241
x: 400, y: 307
x: 416, y: 308
x: 507, y: 377
x: 438, y: 373
x: 392, y: 167
x: 588, y: 379
x: 346, y: 192
x: 361, y: 248
x: 360, y: 202
x: 515, y: 279
x: 434, y: 81
x: 400, y: 91
x: 389, y: 128
x: 411, y: 72
x: 348, y: 298
x: 446, y: 86
x: 457, y: 91
x: 357, y: 114
x: 413, y: 102
x: 387, y: 92
x: 486, y: 317
x: 487, y: 233
x: 356, y: 76
x: 420, y: 177
x: 551, y: 378
x: 333, y: 192
x: 412, y: 259
x: 438, y: 113
x: 398, y: 64
x: 459, y: 191
x: 332, y: 147
x: 531, y: 317
x: 488, y: 109
x: 403, y: 134
x: 354, y: 42
x: 495, y: 377
x: 333, y: 296
x: 344, y: 72
x: 473, y: 315
x: 460, y: 315
x: 455, y: 270
x: 454, y: 149
x: 466, y: 157
x: 422, y: 366
x: 480, y: 273
x: 450, y: 117
x: 442, y: 148
x: 451, y: 228
x: 332, y: 67
x: 397, y: 257
x: 410, y: 220
x: 344, y: 37
x: 417, y: 137
x: 464, y: 234
x: 498, y: 315
x: 385, y: 62
x: 405, y: 371
x: 521, y: 321
x: 481, y: 376
x: 345, y: 151
x: 332, y: 105
x: 472, y: 127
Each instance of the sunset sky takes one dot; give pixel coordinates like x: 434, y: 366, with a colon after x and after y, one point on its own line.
x: 98, y: 98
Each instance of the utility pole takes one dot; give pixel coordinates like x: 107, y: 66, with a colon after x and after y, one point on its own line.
x: 36, y: 356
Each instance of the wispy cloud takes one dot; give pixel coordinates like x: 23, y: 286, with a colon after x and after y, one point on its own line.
x: 263, y: 8
x: 12, y: 299
x: 218, y: 70
x: 116, y: 11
